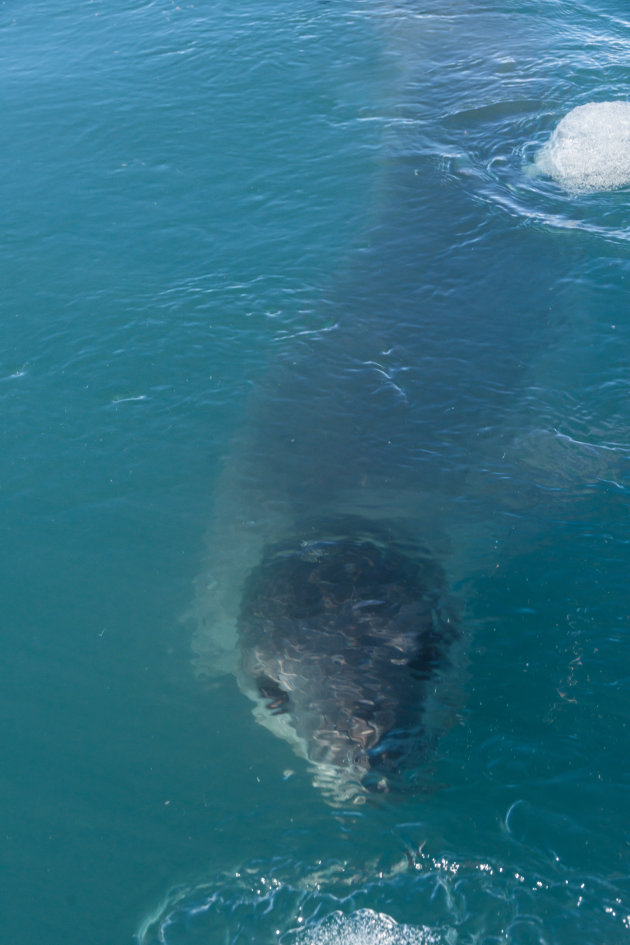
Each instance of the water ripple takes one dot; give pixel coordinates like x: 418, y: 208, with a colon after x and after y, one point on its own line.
x: 494, y: 113
x: 420, y: 899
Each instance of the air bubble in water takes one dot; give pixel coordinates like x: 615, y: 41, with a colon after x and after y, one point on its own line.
x: 365, y: 927
x: 590, y: 149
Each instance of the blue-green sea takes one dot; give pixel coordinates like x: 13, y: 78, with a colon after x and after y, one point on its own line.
x: 267, y: 262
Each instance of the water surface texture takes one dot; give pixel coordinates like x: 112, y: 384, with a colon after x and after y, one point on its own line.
x: 272, y: 264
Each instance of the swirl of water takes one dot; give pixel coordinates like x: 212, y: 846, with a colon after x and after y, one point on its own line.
x: 421, y: 899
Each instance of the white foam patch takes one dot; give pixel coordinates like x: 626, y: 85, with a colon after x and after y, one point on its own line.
x: 365, y: 927
x: 590, y: 148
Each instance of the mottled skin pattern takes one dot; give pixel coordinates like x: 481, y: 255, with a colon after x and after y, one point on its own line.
x: 346, y: 636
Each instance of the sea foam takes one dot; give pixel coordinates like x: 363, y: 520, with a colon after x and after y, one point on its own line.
x: 590, y: 149
x: 365, y: 927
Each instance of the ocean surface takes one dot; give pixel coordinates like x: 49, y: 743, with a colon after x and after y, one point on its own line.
x: 274, y: 259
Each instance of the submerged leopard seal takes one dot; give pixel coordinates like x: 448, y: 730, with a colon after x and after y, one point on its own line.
x: 344, y: 641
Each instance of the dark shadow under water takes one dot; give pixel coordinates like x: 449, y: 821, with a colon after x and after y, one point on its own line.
x: 395, y: 422
x: 436, y: 323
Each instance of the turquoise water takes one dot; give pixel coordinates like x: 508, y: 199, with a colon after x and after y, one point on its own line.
x: 269, y: 260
